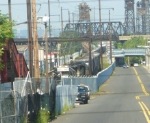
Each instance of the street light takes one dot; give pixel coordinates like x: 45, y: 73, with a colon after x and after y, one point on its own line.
x: 44, y: 19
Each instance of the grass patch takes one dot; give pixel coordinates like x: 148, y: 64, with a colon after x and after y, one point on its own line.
x: 43, y: 116
x: 105, y: 63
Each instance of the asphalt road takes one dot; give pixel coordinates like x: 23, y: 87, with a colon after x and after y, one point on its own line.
x: 124, y: 99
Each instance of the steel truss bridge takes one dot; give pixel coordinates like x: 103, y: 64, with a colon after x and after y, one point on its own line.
x: 83, y: 32
x: 85, y: 29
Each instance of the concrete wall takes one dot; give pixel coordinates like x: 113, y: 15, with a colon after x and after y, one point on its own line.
x: 94, y: 81
x: 65, y: 93
x: 65, y: 97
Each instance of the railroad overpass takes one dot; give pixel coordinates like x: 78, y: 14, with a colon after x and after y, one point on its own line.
x: 119, y: 54
x: 83, y: 31
x: 125, y: 38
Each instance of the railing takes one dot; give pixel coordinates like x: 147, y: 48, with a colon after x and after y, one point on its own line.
x: 23, y: 66
x: 15, y: 64
x: 13, y: 53
x: 18, y: 60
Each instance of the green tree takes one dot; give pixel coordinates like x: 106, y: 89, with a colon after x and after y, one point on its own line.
x: 132, y: 43
x: 135, y: 42
x: 70, y: 47
x: 6, y: 33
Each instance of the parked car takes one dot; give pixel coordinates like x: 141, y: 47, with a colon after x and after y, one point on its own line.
x: 88, y: 92
x: 83, y: 93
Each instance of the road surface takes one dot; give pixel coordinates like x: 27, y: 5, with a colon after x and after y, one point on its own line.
x: 124, y: 99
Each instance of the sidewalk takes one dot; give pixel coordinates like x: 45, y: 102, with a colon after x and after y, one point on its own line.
x: 146, y: 67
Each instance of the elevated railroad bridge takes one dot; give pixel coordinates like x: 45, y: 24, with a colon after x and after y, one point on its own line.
x: 85, y: 29
x: 83, y: 32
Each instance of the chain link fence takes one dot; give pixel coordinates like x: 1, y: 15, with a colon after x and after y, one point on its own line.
x: 28, y: 102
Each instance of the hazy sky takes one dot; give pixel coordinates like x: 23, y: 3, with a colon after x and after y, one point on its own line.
x: 19, y: 12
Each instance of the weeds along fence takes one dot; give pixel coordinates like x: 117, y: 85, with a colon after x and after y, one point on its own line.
x: 65, y: 97
x: 35, y: 100
x: 29, y: 102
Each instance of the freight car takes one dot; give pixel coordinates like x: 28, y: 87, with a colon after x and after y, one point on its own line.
x: 82, y: 66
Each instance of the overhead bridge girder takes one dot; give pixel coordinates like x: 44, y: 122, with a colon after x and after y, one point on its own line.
x: 85, y: 29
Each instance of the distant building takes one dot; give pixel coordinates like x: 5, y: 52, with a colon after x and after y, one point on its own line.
x: 84, y: 12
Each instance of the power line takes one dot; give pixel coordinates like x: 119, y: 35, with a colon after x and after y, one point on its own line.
x: 58, y: 2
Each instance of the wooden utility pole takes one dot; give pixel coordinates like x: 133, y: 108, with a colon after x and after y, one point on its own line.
x: 30, y: 41
x: 35, y: 42
x: 47, y: 82
x: 11, y: 49
x: 73, y: 19
x: 110, y: 38
x: 94, y: 13
x: 69, y: 17
x: 90, y: 41
x: 46, y: 48
x: 50, y: 50
x: 9, y: 9
x: 101, y: 54
x: 90, y: 59
x: 61, y: 20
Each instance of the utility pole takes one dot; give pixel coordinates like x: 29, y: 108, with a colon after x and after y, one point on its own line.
x: 62, y: 25
x: 90, y: 41
x: 94, y: 13
x: 69, y: 17
x: 46, y: 45
x: 11, y: 50
x: 101, y: 54
x: 73, y: 19
x: 110, y: 38
x: 50, y: 35
x: 30, y: 41
x: 9, y: 9
x: 90, y: 62
x: 35, y: 40
x: 61, y: 20
x: 62, y: 29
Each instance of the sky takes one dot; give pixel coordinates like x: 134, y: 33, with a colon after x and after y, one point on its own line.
x: 19, y: 11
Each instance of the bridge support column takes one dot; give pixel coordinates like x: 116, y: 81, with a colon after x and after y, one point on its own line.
x: 147, y: 58
x: 128, y: 60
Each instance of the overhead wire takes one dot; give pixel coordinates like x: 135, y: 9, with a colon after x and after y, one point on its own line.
x: 53, y: 2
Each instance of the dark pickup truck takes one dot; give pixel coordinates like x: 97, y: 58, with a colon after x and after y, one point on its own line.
x: 82, y: 94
